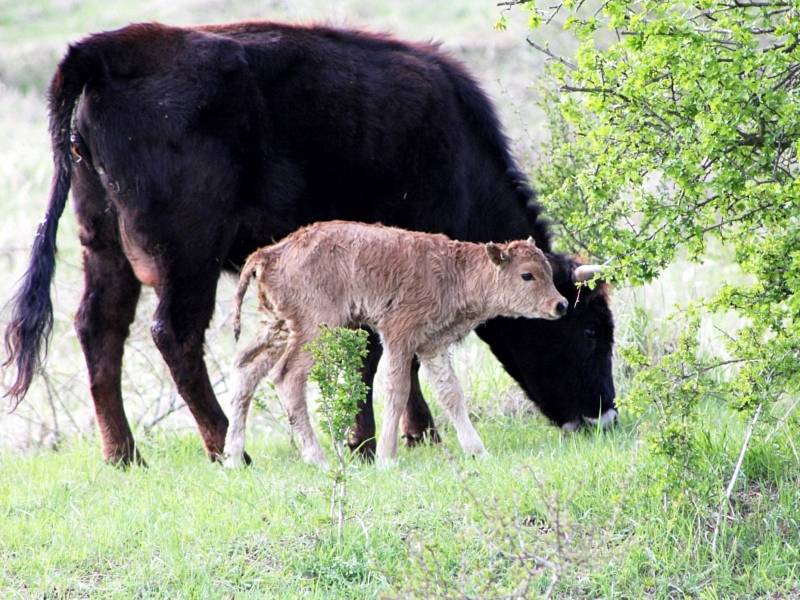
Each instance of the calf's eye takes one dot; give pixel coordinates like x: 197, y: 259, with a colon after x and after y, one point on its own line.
x: 528, y: 276
x: 589, y: 332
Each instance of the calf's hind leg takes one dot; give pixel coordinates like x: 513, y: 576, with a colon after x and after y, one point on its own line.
x: 290, y: 375
x: 250, y: 367
x: 452, y: 398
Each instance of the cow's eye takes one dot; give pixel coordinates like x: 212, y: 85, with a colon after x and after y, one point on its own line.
x: 590, y: 332
x: 528, y: 276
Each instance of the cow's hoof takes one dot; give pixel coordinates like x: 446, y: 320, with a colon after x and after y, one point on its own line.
x: 607, y: 419
x: 125, y: 459
x: 427, y: 436
x: 364, y: 449
x: 571, y: 426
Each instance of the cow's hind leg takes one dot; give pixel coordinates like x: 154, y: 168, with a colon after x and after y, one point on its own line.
x: 452, y: 398
x: 184, y: 311
x: 250, y: 367
x: 107, y: 309
x: 102, y: 323
x: 418, y: 425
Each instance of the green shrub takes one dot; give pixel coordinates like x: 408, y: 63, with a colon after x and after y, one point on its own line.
x: 672, y: 124
x: 338, y: 359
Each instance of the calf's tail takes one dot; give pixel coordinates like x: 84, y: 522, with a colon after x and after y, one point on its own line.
x: 257, y: 259
x: 31, y: 320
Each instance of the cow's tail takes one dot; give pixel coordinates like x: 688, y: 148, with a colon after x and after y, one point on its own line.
x: 31, y: 319
x: 256, y: 260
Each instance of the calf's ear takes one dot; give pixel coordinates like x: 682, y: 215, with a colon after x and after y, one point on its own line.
x: 496, y: 254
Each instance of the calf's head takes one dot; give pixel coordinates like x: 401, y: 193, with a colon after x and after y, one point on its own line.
x: 564, y: 366
x: 525, y: 281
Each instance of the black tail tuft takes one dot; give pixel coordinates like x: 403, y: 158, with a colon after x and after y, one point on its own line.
x: 31, y: 321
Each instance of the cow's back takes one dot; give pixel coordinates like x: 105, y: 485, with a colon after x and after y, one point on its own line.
x: 267, y: 127
x: 367, y: 128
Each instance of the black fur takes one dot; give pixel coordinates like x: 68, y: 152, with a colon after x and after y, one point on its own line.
x: 210, y: 142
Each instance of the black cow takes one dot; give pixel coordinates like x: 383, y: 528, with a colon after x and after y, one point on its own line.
x: 187, y: 148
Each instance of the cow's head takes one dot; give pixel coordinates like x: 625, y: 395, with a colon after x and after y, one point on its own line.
x: 564, y: 366
x: 525, y: 281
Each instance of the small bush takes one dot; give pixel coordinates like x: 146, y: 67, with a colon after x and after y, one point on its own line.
x: 338, y: 359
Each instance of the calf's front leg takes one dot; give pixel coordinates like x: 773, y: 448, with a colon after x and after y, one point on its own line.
x: 452, y: 398
x: 397, y: 388
x: 418, y: 425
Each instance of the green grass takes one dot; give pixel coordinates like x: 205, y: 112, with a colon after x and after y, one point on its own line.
x: 591, y: 505
x: 434, y: 524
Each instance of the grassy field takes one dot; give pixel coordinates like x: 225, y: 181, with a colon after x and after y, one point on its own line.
x: 571, y: 516
x: 544, y: 506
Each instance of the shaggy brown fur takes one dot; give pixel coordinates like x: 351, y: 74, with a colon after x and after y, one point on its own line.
x: 420, y: 292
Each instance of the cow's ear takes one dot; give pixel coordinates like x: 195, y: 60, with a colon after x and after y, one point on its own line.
x: 496, y: 254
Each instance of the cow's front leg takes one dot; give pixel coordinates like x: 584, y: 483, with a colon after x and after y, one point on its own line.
x: 418, y: 425
x: 178, y: 329
x: 362, y: 439
x: 102, y: 323
x: 452, y: 398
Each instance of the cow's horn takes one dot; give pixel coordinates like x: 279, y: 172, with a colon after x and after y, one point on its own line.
x: 586, y: 272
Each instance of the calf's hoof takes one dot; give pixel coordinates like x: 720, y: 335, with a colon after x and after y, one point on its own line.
x: 235, y: 461
x: 475, y: 448
x: 315, y: 456
x: 385, y: 462
x: 481, y: 454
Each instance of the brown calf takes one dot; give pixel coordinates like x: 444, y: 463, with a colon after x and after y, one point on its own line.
x: 420, y: 292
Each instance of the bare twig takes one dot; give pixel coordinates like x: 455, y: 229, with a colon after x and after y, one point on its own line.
x: 723, y: 505
x: 551, y: 54
x: 782, y: 420
x: 54, y: 439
